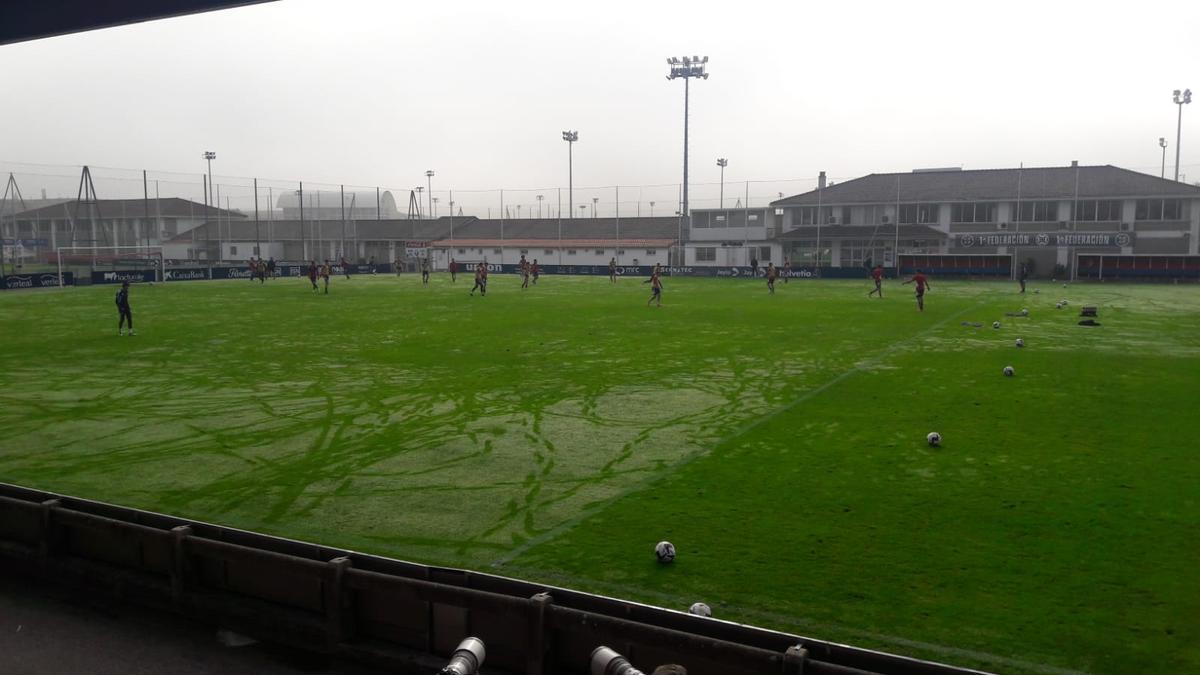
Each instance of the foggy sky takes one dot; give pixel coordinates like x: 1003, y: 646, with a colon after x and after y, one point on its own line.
x: 375, y: 93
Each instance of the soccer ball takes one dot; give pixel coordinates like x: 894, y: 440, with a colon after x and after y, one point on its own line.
x: 700, y: 609
x: 664, y: 551
x: 1064, y: 285
x: 1058, y: 305
x: 1024, y: 312
x: 995, y: 324
x: 1020, y: 342
x: 934, y: 438
x: 1008, y: 371
x: 1036, y: 291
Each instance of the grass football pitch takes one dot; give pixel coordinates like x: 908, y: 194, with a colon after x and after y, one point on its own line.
x: 556, y: 434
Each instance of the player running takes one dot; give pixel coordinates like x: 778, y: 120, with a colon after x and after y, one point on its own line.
x: 525, y: 272
x: 312, y: 274
x: 425, y: 271
x: 453, y: 270
x: 123, y: 310
x: 535, y: 270
x: 612, y: 270
x: 655, y: 289
x: 922, y: 283
x: 772, y: 273
x: 877, y: 275
x: 787, y: 269
x: 345, y: 267
x: 480, y: 280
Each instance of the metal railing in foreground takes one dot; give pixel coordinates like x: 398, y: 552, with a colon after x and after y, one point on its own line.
x: 396, y: 615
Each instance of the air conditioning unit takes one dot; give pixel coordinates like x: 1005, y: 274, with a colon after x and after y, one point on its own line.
x: 1001, y: 226
x: 833, y: 220
x: 1126, y: 227
x: 885, y: 220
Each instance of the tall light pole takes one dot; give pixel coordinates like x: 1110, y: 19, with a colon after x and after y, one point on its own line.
x: 210, y: 156
x: 651, y: 209
x: 722, y: 162
x: 433, y: 204
x: 540, y: 198
x: 1179, y: 101
x: 1162, y: 143
x: 429, y: 182
x: 687, y: 69
x: 594, y: 201
x: 582, y: 208
x: 571, y: 137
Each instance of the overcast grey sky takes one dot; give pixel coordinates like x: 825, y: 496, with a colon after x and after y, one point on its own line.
x: 375, y: 92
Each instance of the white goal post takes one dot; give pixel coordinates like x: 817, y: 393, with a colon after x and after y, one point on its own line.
x: 111, y: 258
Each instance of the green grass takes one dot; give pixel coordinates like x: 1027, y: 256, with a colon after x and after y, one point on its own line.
x: 556, y: 434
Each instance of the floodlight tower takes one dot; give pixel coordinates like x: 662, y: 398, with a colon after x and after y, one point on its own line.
x: 1179, y: 101
x: 594, y: 201
x: 722, y: 162
x: 210, y: 156
x: 429, y: 182
x: 571, y: 137
x: 540, y: 198
x: 1162, y: 143
x: 686, y: 68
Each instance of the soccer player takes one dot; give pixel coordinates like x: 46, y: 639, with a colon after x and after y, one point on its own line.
x: 271, y: 267
x: 453, y: 270
x: 536, y: 270
x: 123, y: 310
x: 345, y: 267
x: 371, y: 264
x: 525, y: 271
x: 425, y: 271
x: 261, y: 271
x: 252, y: 268
x: 480, y: 284
x: 877, y: 275
x: 325, y: 271
x: 612, y: 270
x: 922, y: 283
x: 312, y: 274
x: 787, y: 269
x: 1023, y: 275
x: 754, y: 265
x: 772, y: 273
x: 655, y: 290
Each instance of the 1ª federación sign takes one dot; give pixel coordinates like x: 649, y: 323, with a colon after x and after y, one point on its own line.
x: 1044, y: 239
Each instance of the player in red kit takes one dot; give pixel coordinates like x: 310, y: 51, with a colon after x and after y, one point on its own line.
x: 877, y: 275
x: 535, y: 270
x: 922, y: 283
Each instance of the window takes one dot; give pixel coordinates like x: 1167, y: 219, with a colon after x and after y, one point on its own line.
x: 859, y: 253
x: 918, y: 213
x: 1104, y: 210
x: 524, y: 251
x: 570, y: 251
x: 706, y: 254
x: 973, y: 212
x: 547, y: 251
x: 256, y: 251
x: 232, y: 250
x: 720, y: 219
x: 620, y: 251
x: 462, y: 251
x: 1035, y: 212
x: 753, y: 217
x: 496, y: 251
x: 650, y: 251
x: 764, y: 253
x: 1159, y: 209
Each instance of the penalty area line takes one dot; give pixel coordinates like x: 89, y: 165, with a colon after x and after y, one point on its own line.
x: 554, y: 532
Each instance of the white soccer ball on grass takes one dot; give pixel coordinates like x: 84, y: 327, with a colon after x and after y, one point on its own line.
x: 700, y: 609
x: 1008, y: 371
x: 995, y: 324
x: 934, y: 439
x: 664, y: 551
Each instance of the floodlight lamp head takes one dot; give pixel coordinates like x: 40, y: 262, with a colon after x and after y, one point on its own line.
x: 1187, y: 95
x: 1175, y: 95
x: 686, y: 61
x: 209, y: 154
x: 429, y: 173
x: 1162, y: 142
x: 705, y: 60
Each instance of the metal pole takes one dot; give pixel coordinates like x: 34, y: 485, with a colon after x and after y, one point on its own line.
x: 745, y: 213
x: 146, y: 204
x: 378, y: 214
x: 257, y: 231
x: 683, y: 215
x: 896, y: 243
x: 343, y: 191
x: 722, y: 204
x: 617, y: 189
x: 1178, y: 137
x: 303, y: 236
x: 570, y: 182
x: 559, y: 225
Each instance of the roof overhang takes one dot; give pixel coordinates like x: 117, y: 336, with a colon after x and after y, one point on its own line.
x: 26, y: 20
